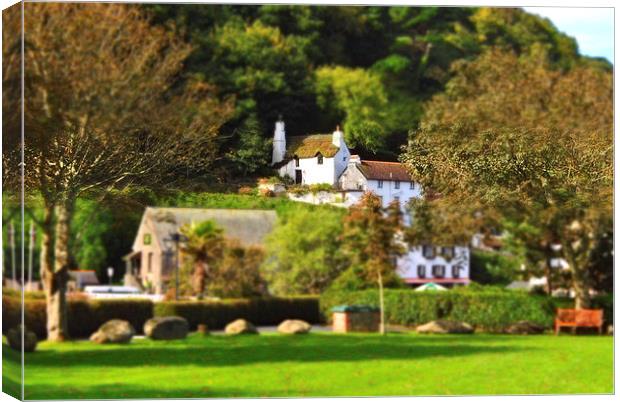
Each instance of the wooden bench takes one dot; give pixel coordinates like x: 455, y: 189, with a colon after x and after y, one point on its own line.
x: 578, y: 318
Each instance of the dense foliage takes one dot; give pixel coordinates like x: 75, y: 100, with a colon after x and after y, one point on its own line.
x: 490, y: 310
x: 304, y: 252
x: 368, y: 68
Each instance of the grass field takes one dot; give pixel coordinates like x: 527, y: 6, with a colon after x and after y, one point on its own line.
x: 316, y: 365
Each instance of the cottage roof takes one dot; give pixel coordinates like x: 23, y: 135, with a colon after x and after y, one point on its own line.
x: 247, y: 225
x: 307, y: 146
x: 378, y: 170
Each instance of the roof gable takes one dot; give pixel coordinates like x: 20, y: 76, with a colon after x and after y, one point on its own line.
x: 308, y: 146
x: 378, y: 170
x: 250, y: 227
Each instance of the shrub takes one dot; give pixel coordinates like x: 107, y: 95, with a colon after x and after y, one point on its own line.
x: 486, y: 310
x: 259, y: 311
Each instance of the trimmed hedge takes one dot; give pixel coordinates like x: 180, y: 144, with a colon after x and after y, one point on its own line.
x: 86, y: 316
x: 486, y: 310
x: 264, y: 311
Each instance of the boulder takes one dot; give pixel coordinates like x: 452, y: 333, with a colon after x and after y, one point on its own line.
x: 240, y: 327
x: 524, y: 328
x: 294, y: 327
x: 445, y: 327
x: 114, y: 331
x: 14, y: 339
x: 166, y: 328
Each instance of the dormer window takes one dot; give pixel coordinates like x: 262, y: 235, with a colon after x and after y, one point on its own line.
x: 319, y: 159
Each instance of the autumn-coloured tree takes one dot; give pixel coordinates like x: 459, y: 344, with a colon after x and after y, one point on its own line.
x: 372, y: 241
x: 105, y: 107
x: 557, y: 181
x: 527, y: 144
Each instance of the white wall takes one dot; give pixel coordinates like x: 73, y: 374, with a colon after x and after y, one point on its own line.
x: 408, y: 264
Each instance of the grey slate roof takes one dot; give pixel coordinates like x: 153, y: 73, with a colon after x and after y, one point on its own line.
x: 249, y: 226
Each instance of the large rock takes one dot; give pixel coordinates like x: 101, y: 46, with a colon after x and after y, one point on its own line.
x: 524, y: 328
x: 445, y: 327
x: 14, y: 339
x: 114, y: 331
x: 294, y: 327
x: 240, y: 327
x: 165, y: 328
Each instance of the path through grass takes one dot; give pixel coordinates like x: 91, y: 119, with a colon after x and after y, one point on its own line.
x: 318, y: 365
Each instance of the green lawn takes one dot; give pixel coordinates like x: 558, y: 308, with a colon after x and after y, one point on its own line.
x: 317, y: 365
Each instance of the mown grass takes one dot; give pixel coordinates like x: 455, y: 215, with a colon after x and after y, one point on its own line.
x: 317, y: 365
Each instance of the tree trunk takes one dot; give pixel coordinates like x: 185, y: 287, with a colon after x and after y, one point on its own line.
x: 57, y: 329
x: 381, y: 306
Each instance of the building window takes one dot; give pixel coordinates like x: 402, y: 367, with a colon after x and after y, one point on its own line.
x: 411, y: 185
x: 428, y: 252
x: 456, y: 271
x: 380, y: 184
x: 319, y: 159
x: 397, y: 184
x: 421, y: 271
x: 439, y: 271
x: 296, y: 161
x: 149, y: 263
x: 447, y: 252
x: 146, y: 239
x: 344, y: 158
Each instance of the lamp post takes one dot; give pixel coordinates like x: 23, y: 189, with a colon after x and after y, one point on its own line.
x: 175, y: 238
x: 110, y: 274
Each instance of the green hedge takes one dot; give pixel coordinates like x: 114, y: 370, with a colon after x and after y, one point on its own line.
x: 486, y: 310
x: 86, y: 316
x: 265, y: 311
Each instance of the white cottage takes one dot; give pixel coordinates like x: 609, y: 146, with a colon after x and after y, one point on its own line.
x: 310, y: 159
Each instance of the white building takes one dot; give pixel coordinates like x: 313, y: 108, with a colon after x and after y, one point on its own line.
x: 310, y: 159
x: 325, y: 158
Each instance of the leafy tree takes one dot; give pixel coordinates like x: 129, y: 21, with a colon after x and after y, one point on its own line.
x: 105, y: 107
x: 253, y: 151
x: 89, y: 225
x: 237, y: 274
x: 550, y: 136
x: 557, y: 181
x: 358, y: 97
x: 303, y: 252
x: 222, y: 267
x: 370, y: 241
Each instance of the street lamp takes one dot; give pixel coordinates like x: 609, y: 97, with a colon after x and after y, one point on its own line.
x: 110, y: 274
x: 175, y: 238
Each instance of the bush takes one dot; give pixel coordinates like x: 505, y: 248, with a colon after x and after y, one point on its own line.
x: 486, y: 310
x: 85, y: 316
x: 263, y: 311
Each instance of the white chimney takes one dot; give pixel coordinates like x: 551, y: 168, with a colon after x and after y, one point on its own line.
x: 338, y: 137
x: 279, y: 142
x: 355, y: 160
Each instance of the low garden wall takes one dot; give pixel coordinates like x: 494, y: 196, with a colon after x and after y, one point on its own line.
x: 86, y: 316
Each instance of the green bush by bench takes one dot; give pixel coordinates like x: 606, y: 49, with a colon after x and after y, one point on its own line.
x: 486, y: 310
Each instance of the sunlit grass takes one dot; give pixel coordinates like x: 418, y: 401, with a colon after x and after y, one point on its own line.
x: 318, y: 365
